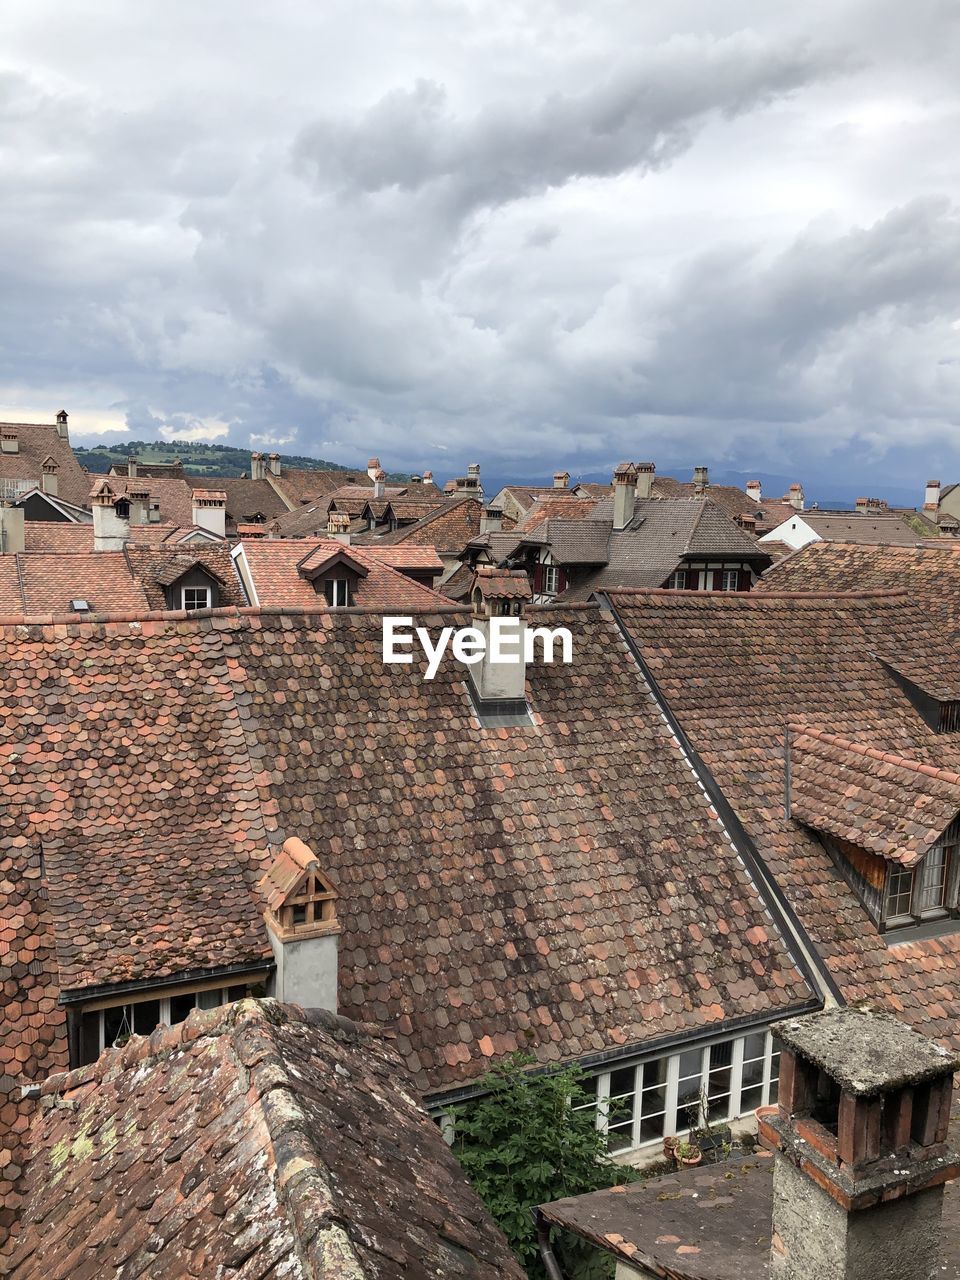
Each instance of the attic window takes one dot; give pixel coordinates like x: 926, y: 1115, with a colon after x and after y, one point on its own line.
x: 933, y: 703
x: 337, y: 592
x: 122, y: 508
x: 677, y: 580
x: 927, y: 891
x: 80, y: 606
x: 196, y: 598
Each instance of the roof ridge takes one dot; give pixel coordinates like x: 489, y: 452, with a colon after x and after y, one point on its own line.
x: 759, y: 597
x: 874, y: 753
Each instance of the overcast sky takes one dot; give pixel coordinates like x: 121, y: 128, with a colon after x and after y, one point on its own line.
x: 528, y: 234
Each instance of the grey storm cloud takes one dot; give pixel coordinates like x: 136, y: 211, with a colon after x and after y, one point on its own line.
x: 537, y: 232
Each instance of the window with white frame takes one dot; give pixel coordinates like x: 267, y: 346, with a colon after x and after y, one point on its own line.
x: 642, y: 1102
x: 730, y: 580
x: 928, y: 891
x: 196, y: 598
x: 104, y: 1028
x: 337, y: 591
x: 677, y: 580
x: 550, y: 581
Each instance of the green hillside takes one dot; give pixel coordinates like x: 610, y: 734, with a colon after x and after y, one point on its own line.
x: 198, y: 459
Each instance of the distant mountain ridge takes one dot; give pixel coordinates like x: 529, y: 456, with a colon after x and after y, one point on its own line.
x: 198, y: 459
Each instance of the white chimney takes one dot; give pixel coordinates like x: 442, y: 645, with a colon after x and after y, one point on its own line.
x: 646, y: 471
x: 273, y: 464
x: 132, y: 468
x: 111, y: 518
x: 302, y: 925
x: 428, y: 477
x: 624, y: 493
x: 931, y: 496
x: 210, y: 510
x: 491, y: 520
x: 9, y: 441
x: 62, y: 425
x: 373, y: 466
x: 561, y: 479
x: 500, y: 594
x: 139, y: 500
x: 11, y: 530
x: 379, y: 483
x: 754, y: 491
x: 258, y: 467
x: 795, y: 497
x: 49, y: 481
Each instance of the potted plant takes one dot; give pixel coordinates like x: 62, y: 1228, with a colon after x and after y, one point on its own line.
x: 670, y: 1143
x: 687, y: 1154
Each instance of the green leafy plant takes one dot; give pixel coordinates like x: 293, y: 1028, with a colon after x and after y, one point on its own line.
x: 522, y: 1143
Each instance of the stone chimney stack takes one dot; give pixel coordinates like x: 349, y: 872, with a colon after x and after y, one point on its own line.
x: 379, y: 483
x: 497, y: 600
x: 624, y: 492
x: 49, y: 476
x: 11, y: 529
x: 210, y: 510
x: 931, y: 496
x: 111, y: 518
x: 9, y: 440
x: 755, y: 491
x: 373, y: 466
x: 561, y: 479
x: 62, y: 425
x: 428, y: 477
x: 338, y: 525
x: 860, y: 1148
x: 701, y: 481
x: 491, y: 520
x: 132, y: 467
x: 646, y: 473
x: 795, y: 497
x: 273, y: 464
x: 258, y: 467
x: 302, y: 925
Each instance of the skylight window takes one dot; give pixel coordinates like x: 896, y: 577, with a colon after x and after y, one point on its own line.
x: 80, y: 606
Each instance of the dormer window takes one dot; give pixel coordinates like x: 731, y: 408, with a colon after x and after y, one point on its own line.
x: 122, y: 508
x: 927, y: 891
x: 196, y: 598
x: 337, y: 591
x: 933, y: 692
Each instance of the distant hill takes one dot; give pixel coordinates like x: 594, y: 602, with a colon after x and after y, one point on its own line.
x: 198, y: 459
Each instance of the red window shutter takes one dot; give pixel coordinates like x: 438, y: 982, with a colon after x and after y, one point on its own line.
x: 561, y: 580
x: 745, y: 577
x: 538, y: 579
x: 718, y: 579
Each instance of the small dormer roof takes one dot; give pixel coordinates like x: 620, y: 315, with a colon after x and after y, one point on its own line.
x: 323, y: 560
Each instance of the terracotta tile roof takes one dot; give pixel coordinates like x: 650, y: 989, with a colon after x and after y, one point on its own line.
x: 502, y: 584
x: 305, y: 522
x: 459, y: 584
x: 248, y: 498
x: 257, y: 1140
x: 36, y: 442
x: 727, y: 497
x: 174, y: 495
x: 274, y: 566
x: 158, y: 470
x: 405, y: 556
x: 930, y: 573
x: 555, y: 506
x: 777, y: 550
x: 48, y: 581
x: 735, y: 669
x: 299, y: 484
x: 157, y: 567
x: 449, y: 528
x: 877, y: 800
x: 409, y: 510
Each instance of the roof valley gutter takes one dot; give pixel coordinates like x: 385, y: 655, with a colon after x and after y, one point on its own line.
x: 805, y: 953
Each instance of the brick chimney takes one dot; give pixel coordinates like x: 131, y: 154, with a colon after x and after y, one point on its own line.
x: 755, y: 491
x: 561, y: 479
x: 931, y: 496
x: 11, y: 529
x: 273, y: 464
x: 9, y: 440
x: 258, y: 466
x: 210, y: 510
x: 302, y: 925
x: 646, y: 473
x: 795, y: 497
x: 624, y: 492
x: 373, y: 466
x: 379, y: 483
x: 860, y: 1148
x: 49, y: 476
x: 499, y: 687
x: 338, y: 525
x: 701, y: 481
x: 62, y: 425
x: 491, y: 520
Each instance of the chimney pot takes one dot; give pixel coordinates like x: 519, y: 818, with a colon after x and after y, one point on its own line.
x: 646, y: 473
x: 303, y: 928
x: 428, y: 477
x: 624, y: 493
x: 273, y: 462
x: 561, y: 479
x: 132, y: 467
x: 701, y: 479
x: 49, y: 477
x: 210, y: 511
x: 373, y: 466
x: 500, y: 687
x: 62, y: 424
x: 755, y: 490
x: 931, y: 497
x: 258, y: 467
x: 9, y: 441
x: 491, y: 520
x: 11, y: 529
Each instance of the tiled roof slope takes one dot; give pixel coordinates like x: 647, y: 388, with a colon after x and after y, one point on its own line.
x: 449, y: 528
x: 728, y: 497
x: 877, y: 800
x: 257, y: 1140
x: 554, y: 506
x: 850, y: 526
x: 48, y: 581
x: 173, y: 493
x: 274, y: 565
x: 37, y: 441
x: 50, y: 535
x: 406, y: 556
x: 931, y: 573
x: 247, y: 498
x: 735, y: 669
x: 155, y: 567
x: 300, y: 484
